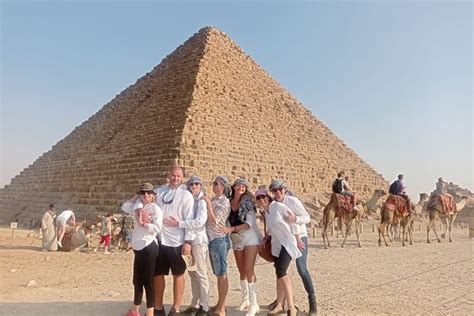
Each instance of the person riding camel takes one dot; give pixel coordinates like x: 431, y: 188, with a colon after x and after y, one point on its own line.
x: 441, y: 190
x: 341, y: 186
x: 399, y: 188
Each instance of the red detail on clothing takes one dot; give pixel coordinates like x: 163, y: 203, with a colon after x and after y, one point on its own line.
x: 446, y: 201
x: 397, y: 204
x: 105, y: 239
x: 343, y: 202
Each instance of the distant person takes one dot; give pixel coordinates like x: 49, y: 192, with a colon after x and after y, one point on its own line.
x: 48, y: 230
x: 105, y: 233
x: 126, y: 223
x: 219, y: 242
x: 441, y: 190
x: 398, y: 188
x: 199, y: 247
x: 66, y: 217
x: 341, y: 186
x: 145, y: 246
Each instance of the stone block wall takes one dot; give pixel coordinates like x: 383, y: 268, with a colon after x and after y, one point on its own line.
x: 209, y: 107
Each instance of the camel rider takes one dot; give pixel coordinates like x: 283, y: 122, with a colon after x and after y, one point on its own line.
x: 341, y: 186
x: 399, y: 188
x: 441, y: 190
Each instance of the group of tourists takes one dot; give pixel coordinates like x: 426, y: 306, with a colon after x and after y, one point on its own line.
x: 53, y: 227
x: 178, y: 227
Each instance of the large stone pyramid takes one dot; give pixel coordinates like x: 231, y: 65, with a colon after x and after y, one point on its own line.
x: 207, y: 106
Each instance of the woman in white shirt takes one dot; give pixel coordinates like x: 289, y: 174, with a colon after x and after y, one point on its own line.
x: 285, y: 247
x: 148, y: 223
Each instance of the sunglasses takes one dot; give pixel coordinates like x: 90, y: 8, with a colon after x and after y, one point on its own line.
x: 215, y: 183
x: 276, y: 190
x: 195, y: 183
x: 260, y: 197
x: 146, y: 192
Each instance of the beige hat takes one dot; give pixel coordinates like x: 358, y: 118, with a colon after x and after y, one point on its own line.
x: 146, y: 187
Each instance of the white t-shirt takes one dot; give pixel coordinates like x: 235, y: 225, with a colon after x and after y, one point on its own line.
x: 197, y: 225
x: 281, y: 231
x: 62, y: 218
x: 302, y: 217
x: 178, y: 203
x: 143, y: 236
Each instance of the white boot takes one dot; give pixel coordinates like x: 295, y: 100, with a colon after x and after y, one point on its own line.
x: 254, y: 308
x: 244, y: 302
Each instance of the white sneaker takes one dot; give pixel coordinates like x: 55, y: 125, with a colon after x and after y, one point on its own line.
x: 60, y: 244
x: 106, y: 252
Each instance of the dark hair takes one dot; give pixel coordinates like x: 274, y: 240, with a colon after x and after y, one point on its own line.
x: 51, y: 205
x: 110, y: 214
x: 340, y: 174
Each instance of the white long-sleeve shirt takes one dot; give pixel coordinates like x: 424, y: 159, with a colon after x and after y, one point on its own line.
x: 143, y: 236
x: 302, y: 217
x: 178, y: 203
x: 281, y: 231
x: 197, y: 225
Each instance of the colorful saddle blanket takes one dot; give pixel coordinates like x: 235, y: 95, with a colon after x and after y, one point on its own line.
x: 343, y: 202
x: 398, y: 204
x: 446, y: 201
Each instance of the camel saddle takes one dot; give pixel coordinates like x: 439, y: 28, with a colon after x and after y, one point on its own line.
x: 446, y: 201
x: 397, y: 204
x: 343, y: 202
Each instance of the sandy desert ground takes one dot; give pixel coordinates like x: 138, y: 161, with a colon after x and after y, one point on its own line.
x: 430, y: 279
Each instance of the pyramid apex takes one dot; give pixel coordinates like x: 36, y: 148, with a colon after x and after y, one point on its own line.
x: 208, y: 30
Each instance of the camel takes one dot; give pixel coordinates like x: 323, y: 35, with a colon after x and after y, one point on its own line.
x: 394, y: 228
x: 331, y: 211
x: 418, y: 208
x: 372, y: 202
x: 436, y: 212
x: 387, y: 217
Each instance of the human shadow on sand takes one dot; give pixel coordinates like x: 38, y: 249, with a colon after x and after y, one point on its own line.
x: 90, y: 308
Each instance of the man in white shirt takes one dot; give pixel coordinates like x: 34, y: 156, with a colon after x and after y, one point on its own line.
x: 62, y: 221
x: 299, y: 218
x: 177, y: 202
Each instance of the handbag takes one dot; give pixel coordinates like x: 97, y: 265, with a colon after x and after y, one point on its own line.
x: 265, y: 249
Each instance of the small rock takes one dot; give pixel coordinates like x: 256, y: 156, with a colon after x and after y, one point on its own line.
x: 13, y: 270
x: 30, y: 283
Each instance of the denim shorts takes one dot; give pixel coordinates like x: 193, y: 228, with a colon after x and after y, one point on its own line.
x: 218, y: 251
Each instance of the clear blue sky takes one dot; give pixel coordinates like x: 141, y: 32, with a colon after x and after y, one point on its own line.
x: 393, y: 79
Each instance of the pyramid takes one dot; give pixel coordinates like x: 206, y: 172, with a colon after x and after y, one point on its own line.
x: 207, y: 106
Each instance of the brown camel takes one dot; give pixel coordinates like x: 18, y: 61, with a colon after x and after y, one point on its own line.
x: 387, y: 217
x: 393, y: 230
x: 436, y: 212
x: 371, y: 205
x: 331, y: 211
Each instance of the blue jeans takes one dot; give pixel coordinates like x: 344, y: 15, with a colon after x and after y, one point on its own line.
x: 303, y: 270
x: 218, y: 252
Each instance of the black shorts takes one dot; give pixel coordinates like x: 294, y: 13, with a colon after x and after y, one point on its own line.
x: 281, y: 263
x: 170, y: 258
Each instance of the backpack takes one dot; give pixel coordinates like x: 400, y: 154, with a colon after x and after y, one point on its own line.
x: 337, y: 186
x: 394, y: 188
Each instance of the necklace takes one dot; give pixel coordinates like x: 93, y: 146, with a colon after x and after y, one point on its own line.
x: 170, y: 199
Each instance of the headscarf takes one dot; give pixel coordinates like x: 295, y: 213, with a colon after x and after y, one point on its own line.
x: 277, y: 184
